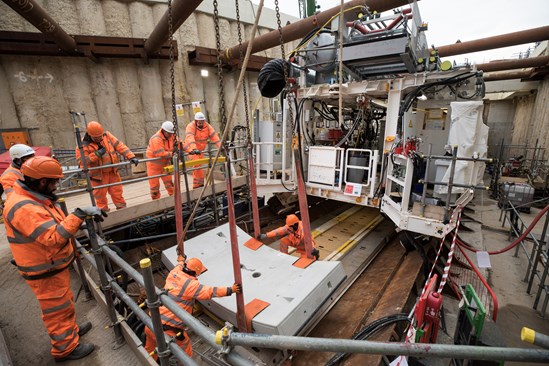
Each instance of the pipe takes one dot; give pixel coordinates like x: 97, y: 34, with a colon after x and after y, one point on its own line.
x: 539, y: 61
x: 533, y: 337
x: 302, y: 27
x: 388, y: 348
x: 503, y: 40
x: 240, y: 313
x: 153, y: 304
x: 38, y: 17
x: 105, y: 284
x: 509, y: 75
x: 181, y: 10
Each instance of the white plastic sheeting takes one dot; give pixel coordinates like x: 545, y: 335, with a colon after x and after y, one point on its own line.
x: 470, y: 135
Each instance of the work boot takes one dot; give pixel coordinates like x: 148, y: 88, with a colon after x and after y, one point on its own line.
x: 84, y: 328
x: 81, y: 351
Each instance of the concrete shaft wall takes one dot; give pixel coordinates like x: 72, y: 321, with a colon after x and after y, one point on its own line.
x: 531, y: 120
x: 130, y: 97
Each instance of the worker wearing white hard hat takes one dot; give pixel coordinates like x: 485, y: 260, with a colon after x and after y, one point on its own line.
x: 160, y: 146
x: 19, y: 153
x: 197, y: 135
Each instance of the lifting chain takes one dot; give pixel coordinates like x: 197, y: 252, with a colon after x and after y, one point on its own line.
x: 219, y: 69
x: 172, y: 78
x: 244, y: 83
x: 287, y: 88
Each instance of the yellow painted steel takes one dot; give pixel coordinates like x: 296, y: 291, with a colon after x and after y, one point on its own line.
x: 193, y: 163
x: 349, y: 244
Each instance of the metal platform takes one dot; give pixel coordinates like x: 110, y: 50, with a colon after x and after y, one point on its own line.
x: 294, y: 294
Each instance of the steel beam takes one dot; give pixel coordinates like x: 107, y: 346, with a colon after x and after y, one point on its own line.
x: 489, y: 43
x: 203, y: 56
x: 39, y: 44
x: 181, y: 10
x: 38, y: 17
x: 300, y: 28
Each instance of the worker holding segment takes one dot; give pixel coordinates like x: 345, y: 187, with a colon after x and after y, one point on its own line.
x: 292, y: 235
x: 100, y: 148
x: 184, y: 288
x: 160, y: 146
x: 197, y: 134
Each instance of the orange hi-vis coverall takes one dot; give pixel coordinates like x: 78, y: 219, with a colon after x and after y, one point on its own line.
x: 40, y: 237
x: 108, y: 175
x: 291, y: 238
x: 9, y: 177
x: 184, y: 289
x: 159, y: 147
x: 197, y: 139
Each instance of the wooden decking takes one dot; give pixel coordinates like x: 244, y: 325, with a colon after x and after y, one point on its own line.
x: 139, y: 202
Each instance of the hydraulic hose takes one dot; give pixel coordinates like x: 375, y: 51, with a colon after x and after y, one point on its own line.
x: 517, y: 241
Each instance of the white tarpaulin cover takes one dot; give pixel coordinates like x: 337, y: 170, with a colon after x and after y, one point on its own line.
x: 470, y: 135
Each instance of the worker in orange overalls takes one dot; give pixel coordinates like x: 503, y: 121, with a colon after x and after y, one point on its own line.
x: 197, y: 134
x: 160, y: 146
x: 184, y: 288
x: 40, y: 238
x: 293, y: 235
x: 100, y: 148
x: 19, y: 153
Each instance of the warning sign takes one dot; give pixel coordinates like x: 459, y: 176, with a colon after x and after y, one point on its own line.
x: 179, y: 110
x: 196, y: 107
x: 352, y: 189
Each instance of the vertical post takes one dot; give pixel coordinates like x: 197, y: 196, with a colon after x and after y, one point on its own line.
x: 105, y: 285
x: 253, y: 190
x: 216, y: 214
x: 303, y: 206
x: 451, y: 181
x: 153, y: 304
x: 177, y: 203
x: 536, y: 257
x: 81, y: 272
x: 75, y: 116
x: 240, y: 314
x: 424, y: 193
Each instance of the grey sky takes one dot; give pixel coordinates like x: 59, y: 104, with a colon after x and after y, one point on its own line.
x: 466, y: 20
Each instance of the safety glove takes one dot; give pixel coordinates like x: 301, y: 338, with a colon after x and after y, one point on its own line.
x: 236, y: 288
x: 100, y: 152
x: 315, y: 253
x: 261, y: 237
x: 195, y: 152
x: 134, y: 161
x: 92, y: 211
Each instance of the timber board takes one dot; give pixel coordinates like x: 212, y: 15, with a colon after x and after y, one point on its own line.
x: 139, y: 202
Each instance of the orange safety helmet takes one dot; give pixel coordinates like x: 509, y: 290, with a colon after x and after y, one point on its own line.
x: 95, y: 129
x: 42, y: 167
x: 195, y: 265
x: 291, y: 219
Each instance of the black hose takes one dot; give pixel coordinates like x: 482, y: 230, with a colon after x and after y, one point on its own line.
x: 271, y: 79
x: 368, y: 331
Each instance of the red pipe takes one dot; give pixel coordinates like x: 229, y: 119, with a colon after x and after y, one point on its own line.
x: 240, y: 312
x: 253, y: 191
x: 503, y: 40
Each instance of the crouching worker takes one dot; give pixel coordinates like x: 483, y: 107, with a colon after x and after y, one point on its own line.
x: 184, y: 288
x: 292, y: 235
x: 40, y: 238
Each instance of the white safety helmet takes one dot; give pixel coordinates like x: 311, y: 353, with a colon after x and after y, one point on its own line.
x: 168, y: 127
x: 199, y: 116
x: 19, y: 151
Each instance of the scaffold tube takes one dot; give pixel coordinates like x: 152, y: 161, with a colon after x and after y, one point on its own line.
x: 388, y: 348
